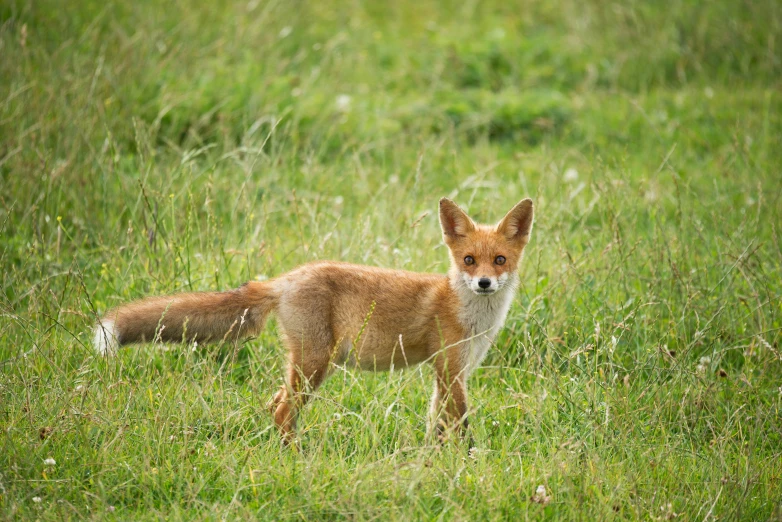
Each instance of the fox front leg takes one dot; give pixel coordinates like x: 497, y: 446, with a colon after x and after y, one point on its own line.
x: 449, y: 403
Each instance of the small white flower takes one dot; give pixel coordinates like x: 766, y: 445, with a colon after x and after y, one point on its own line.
x: 343, y: 102
x: 286, y: 31
x: 50, y: 462
x: 37, y: 500
x: 337, y: 416
x: 703, y: 364
x: 540, y: 496
x: 571, y: 175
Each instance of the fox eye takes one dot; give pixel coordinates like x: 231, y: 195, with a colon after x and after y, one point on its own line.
x: 469, y: 260
x: 500, y: 260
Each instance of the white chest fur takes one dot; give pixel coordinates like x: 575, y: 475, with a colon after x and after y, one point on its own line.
x: 483, y: 316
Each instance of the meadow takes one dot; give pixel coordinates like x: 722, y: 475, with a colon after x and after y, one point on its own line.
x: 158, y: 147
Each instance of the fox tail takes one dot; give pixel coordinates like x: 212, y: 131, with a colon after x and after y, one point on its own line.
x: 201, y: 316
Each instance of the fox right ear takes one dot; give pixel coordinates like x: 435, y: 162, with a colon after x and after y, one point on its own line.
x: 517, y: 224
x: 453, y: 220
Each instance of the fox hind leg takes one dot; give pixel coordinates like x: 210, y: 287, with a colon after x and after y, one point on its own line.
x: 308, y: 366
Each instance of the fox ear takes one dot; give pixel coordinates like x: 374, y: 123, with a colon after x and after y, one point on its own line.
x: 517, y: 224
x: 453, y: 220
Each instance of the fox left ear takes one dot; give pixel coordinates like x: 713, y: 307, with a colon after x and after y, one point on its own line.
x: 453, y: 220
x: 517, y: 224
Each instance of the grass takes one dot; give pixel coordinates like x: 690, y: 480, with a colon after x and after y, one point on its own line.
x: 150, y: 148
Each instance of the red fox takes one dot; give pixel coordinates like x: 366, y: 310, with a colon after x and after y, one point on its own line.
x: 334, y: 313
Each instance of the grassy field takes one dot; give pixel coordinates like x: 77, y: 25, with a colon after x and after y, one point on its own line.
x: 155, y: 147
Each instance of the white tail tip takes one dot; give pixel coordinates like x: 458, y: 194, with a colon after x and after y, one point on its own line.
x: 106, y: 337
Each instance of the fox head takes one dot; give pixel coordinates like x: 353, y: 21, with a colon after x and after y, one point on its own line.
x: 485, y: 258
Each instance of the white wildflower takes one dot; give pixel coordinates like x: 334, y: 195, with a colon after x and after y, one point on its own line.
x: 37, y: 500
x: 540, y: 496
x: 343, y: 102
x: 50, y: 462
x: 571, y: 175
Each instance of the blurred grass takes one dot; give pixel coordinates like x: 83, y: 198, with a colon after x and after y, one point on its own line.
x: 152, y: 148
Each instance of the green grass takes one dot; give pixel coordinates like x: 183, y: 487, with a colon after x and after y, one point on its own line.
x: 154, y: 147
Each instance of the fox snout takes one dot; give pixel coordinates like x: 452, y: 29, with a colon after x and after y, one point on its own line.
x: 483, y: 284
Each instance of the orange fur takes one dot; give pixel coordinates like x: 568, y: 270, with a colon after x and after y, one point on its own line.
x: 334, y: 313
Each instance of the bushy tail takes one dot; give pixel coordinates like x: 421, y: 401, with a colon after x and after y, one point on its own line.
x: 203, y: 317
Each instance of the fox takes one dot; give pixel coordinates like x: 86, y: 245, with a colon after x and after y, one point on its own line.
x: 333, y: 314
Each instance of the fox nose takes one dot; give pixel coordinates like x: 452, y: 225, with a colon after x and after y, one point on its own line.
x: 484, y: 282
